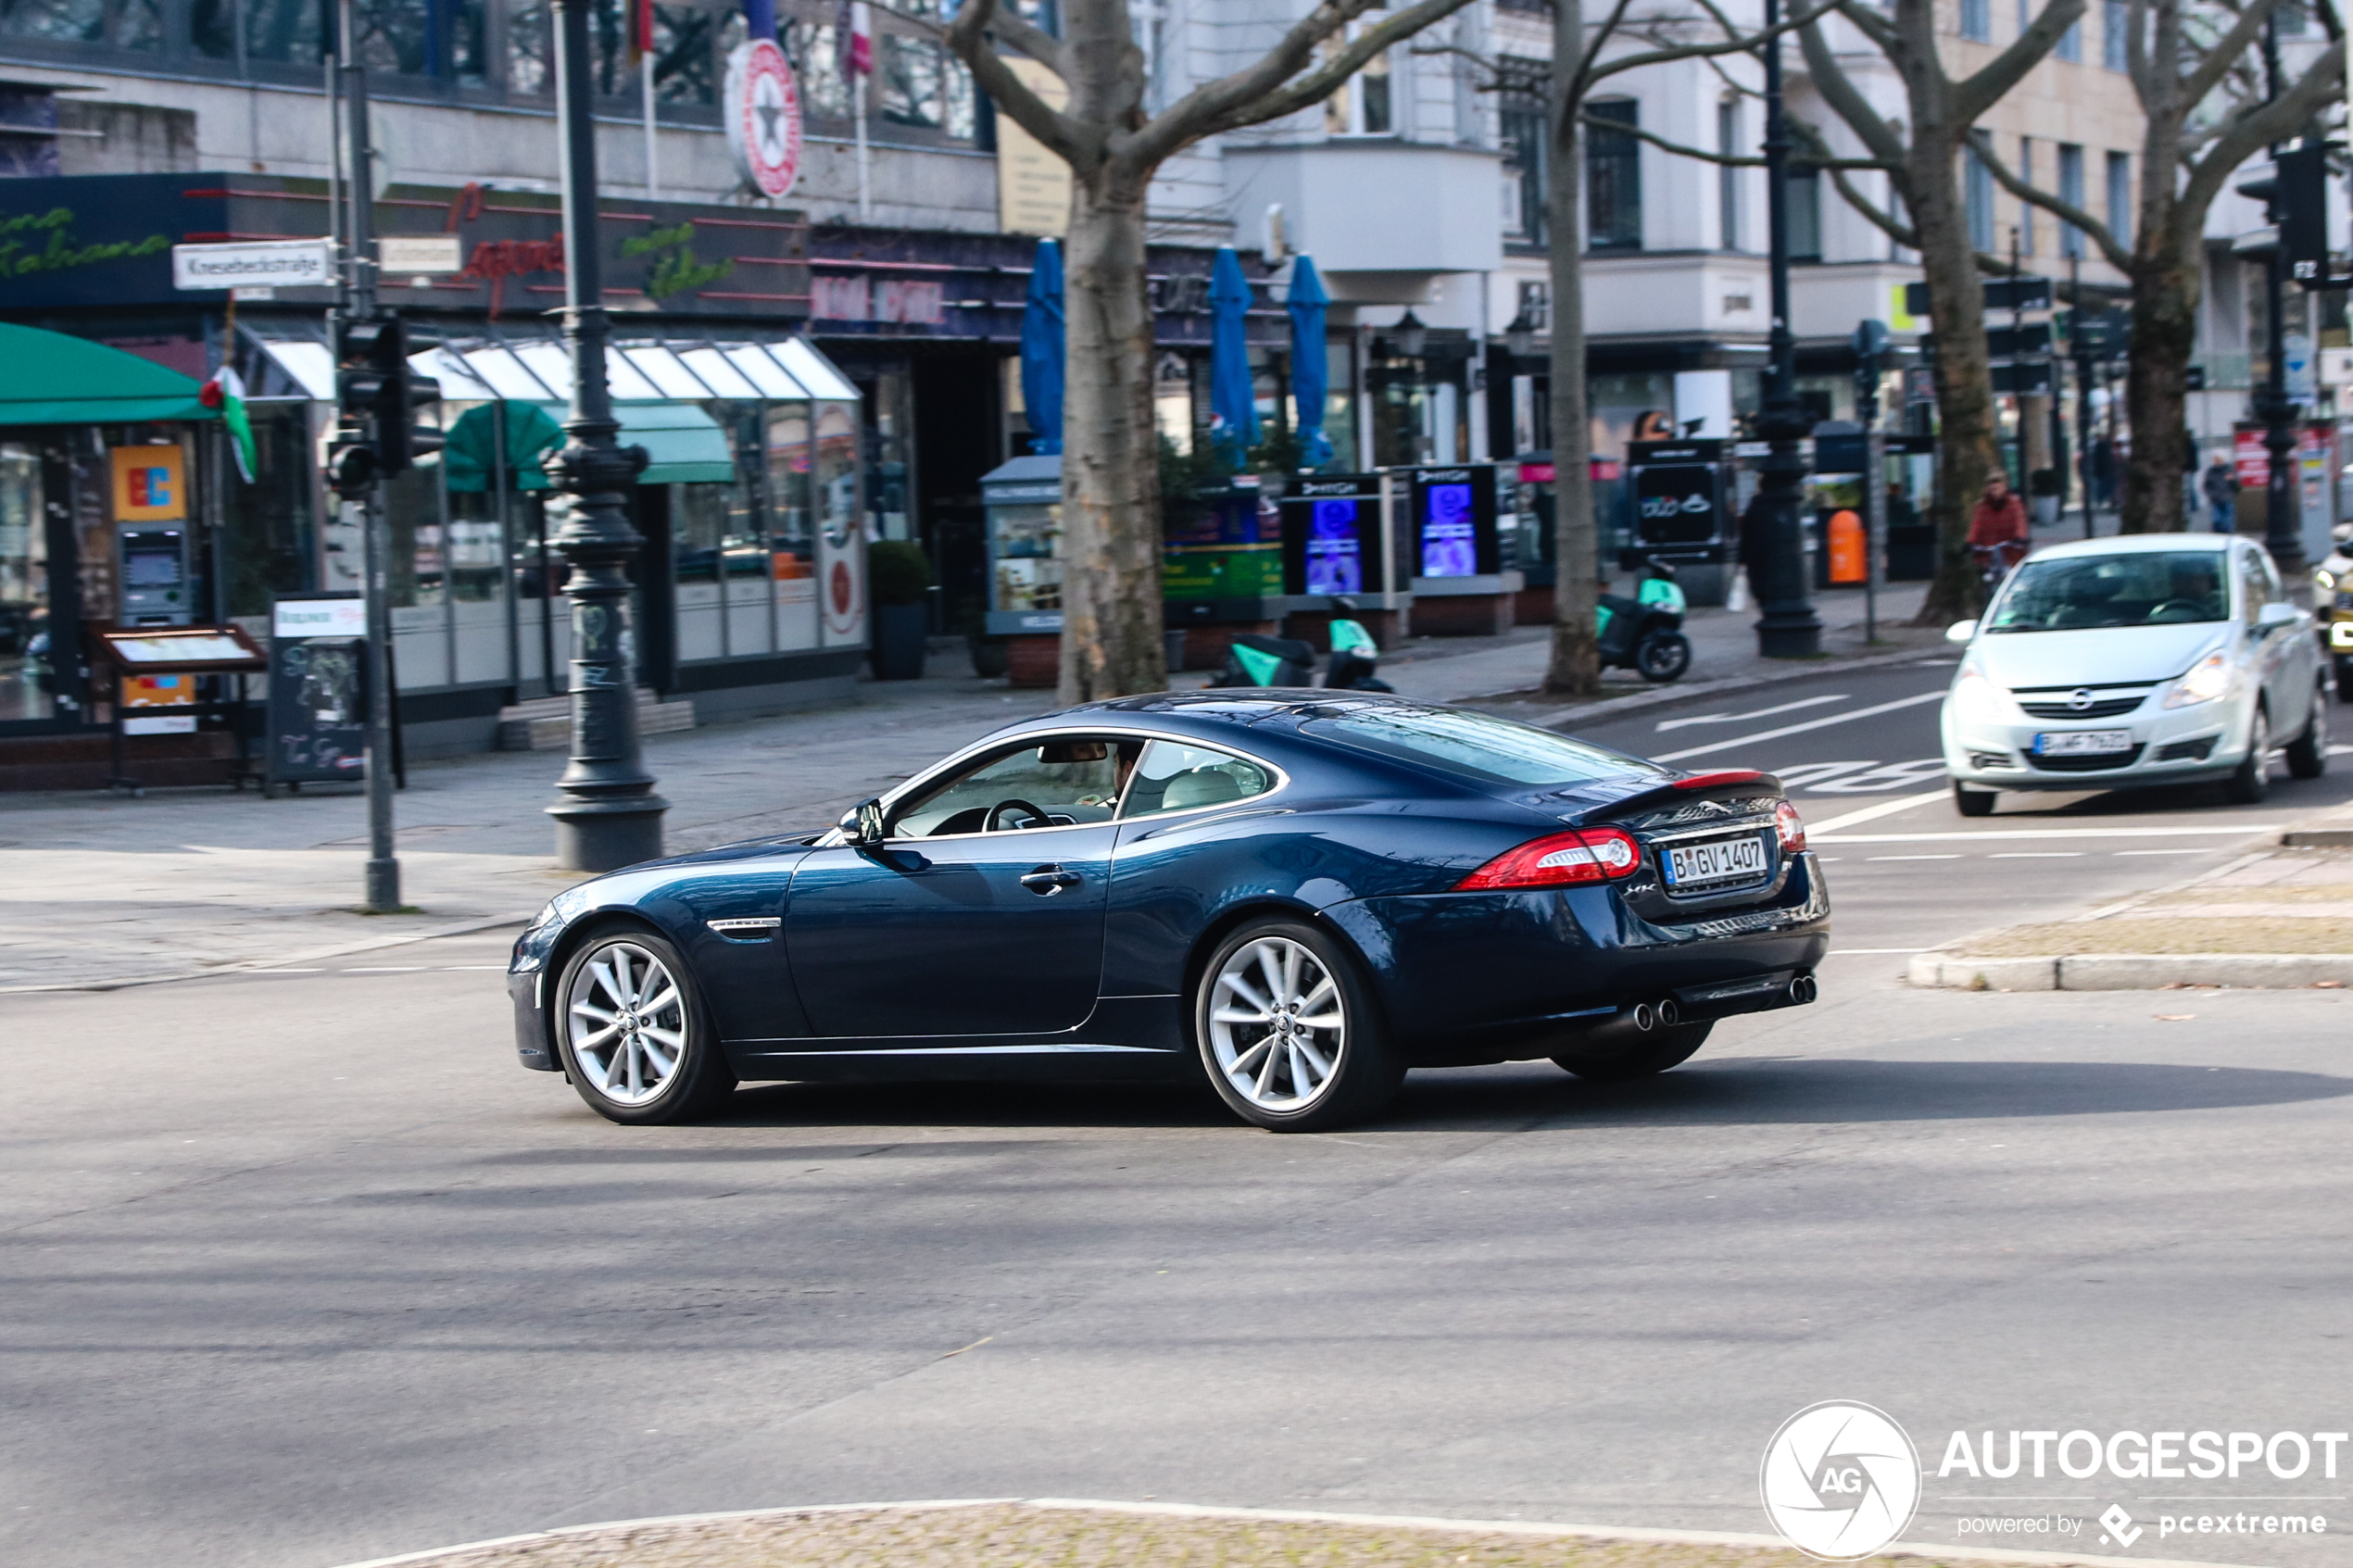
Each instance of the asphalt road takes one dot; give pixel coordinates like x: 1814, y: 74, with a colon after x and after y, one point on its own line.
x: 300, y: 1269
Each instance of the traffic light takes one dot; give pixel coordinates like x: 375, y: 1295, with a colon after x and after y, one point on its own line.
x: 2301, y: 209
x: 379, y: 392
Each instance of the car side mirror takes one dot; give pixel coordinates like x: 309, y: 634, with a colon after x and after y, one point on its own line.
x: 2277, y: 613
x: 863, y: 823
x: 1961, y: 631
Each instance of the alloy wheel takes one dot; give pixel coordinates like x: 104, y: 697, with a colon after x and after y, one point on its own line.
x: 627, y: 1023
x: 1278, y: 1025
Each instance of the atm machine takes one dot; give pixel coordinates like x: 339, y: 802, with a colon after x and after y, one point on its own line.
x: 156, y: 586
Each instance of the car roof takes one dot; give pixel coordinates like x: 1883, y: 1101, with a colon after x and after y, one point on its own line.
x: 2137, y: 544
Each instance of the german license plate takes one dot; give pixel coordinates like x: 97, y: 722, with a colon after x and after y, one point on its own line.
x: 1718, y: 861
x: 2081, y: 743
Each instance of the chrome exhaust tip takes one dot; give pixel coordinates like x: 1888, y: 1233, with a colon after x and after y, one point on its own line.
x: 1801, y: 990
x: 1645, y: 1018
x: 1670, y: 1013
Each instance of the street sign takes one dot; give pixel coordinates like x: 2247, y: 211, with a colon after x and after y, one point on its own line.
x: 2018, y: 343
x: 2023, y: 380
x: 285, y: 264
x: 2032, y: 292
x: 402, y: 256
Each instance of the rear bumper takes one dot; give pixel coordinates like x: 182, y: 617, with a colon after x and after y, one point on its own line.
x: 1491, y: 975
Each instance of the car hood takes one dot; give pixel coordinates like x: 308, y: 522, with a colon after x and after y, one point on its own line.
x: 2095, y: 657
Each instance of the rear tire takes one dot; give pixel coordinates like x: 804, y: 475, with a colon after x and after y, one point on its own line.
x: 2252, y: 783
x: 1972, y: 802
x: 1663, y: 656
x: 2308, y: 754
x: 1669, y: 1048
x: 1289, y: 1031
x: 634, y: 1036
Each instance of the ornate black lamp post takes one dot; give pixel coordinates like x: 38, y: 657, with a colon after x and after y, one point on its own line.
x: 1787, y: 626
x: 609, y: 814
x: 2282, y: 507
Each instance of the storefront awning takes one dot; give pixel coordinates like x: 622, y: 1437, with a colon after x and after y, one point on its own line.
x: 538, y: 370
x: 686, y: 444
x: 56, y: 380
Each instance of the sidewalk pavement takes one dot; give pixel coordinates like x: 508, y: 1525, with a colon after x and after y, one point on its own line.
x: 98, y: 890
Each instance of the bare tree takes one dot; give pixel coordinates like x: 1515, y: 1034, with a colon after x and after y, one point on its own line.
x: 2187, y: 151
x: 1922, y: 164
x: 1111, y: 503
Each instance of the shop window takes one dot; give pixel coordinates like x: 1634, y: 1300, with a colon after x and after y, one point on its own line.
x: 1613, y: 177
x: 135, y: 25
x: 418, y: 565
x: 24, y: 586
x: 270, y: 542
x: 700, y: 536
x: 924, y: 86
x: 286, y: 32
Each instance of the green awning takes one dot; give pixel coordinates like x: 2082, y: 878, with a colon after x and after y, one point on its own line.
x: 686, y: 444
x: 51, y: 379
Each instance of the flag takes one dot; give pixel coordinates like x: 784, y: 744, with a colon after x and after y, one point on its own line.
x: 226, y: 392
x: 854, y: 29
x: 641, y: 30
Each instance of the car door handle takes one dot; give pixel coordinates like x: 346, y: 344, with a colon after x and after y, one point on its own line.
x: 1046, y: 881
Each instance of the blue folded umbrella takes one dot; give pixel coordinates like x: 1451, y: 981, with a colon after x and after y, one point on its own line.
x: 1042, y: 349
x: 1233, y: 411
x: 1310, y: 375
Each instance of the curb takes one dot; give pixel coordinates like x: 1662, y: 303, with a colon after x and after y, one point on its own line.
x: 2317, y: 839
x: 2132, y: 972
x: 1292, y: 1516
x: 1634, y: 702
x: 455, y: 928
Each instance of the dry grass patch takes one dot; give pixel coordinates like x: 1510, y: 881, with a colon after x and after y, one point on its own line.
x: 2126, y: 934
x: 1019, y: 1535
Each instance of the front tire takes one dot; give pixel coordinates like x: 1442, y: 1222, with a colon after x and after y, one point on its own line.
x: 1669, y: 1048
x: 1972, y: 802
x: 1289, y: 1031
x: 2252, y: 783
x: 2308, y: 754
x: 1663, y: 656
x: 636, y: 1037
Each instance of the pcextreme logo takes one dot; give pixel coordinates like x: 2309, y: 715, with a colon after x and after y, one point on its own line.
x: 1840, y: 1480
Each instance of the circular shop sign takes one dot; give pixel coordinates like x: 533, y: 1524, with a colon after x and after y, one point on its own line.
x: 761, y: 111
x: 1840, y: 1480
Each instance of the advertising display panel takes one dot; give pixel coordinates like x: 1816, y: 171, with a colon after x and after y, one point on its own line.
x: 1454, y: 523
x: 1332, y: 536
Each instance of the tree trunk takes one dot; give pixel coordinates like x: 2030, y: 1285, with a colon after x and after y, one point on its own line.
x: 1111, y: 497
x: 1574, y: 668
x: 1965, y: 449
x: 2165, y: 295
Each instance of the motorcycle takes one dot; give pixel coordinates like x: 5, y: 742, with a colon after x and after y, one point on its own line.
x: 1253, y: 660
x: 1644, y: 633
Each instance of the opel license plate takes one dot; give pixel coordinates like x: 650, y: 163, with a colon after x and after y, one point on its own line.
x: 1718, y: 861
x: 2081, y: 743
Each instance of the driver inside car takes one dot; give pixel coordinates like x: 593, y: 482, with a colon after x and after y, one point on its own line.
x: 1057, y: 784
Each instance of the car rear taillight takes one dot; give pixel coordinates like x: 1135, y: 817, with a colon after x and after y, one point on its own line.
x: 1790, y: 827
x: 1727, y: 776
x: 1558, y: 859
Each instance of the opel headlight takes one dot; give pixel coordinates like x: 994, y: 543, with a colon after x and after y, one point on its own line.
x: 1977, y: 698
x: 2207, y: 679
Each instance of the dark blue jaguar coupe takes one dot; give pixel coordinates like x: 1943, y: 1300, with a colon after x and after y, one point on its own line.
x: 1298, y: 894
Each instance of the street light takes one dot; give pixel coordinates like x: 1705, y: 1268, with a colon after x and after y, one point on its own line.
x: 1519, y: 337
x: 1410, y: 337
x: 608, y: 815
x: 1787, y: 626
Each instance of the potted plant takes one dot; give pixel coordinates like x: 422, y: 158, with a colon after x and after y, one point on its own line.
x: 899, y: 576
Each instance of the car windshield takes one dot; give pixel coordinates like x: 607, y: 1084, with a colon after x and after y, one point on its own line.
x: 1491, y: 750
x: 2142, y: 589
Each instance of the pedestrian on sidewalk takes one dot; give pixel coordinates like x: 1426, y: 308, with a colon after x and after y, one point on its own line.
x: 1997, y: 532
x: 2222, y: 487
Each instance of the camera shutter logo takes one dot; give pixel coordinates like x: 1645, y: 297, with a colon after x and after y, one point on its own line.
x: 1840, y: 1480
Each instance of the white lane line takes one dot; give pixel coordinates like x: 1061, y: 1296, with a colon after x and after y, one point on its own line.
x: 1873, y: 814
x: 2038, y: 855
x: 290, y: 971
x: 2244, y: 831
x: 1666, y: 725
x: 1846, y: 952
x: 1911, y: 857
x: 487, y: 968
x: 2121, y: 852
x: 1801, y: 729
x: 384, y: 969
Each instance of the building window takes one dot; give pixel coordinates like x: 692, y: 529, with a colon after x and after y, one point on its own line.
x: 815, y: 52
x: 1361, y: 105
x: 1803, y: 188
x: 1612, y: 178
x: 134, y: 25
x: 2115, y: 33
x: 923, y: 87
x: 1977, y: 20
x: 2026, y: 208
x: 2070, y: 44
x: 1148, y: 24
x: 287, y: 31
x: 2070, y: 190
x: 1728, y: 178
x: 1978, y: 191
x: 2120, y: 197
x: 1521, y: 121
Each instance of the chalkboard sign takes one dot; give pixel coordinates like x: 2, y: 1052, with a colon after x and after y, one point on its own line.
x: 318, y: 691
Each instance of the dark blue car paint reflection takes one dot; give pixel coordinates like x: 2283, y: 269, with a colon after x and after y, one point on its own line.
x: 933, y: 957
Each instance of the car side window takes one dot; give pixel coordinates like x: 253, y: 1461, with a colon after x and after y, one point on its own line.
x: 2254, y: 591
x: 1057, y: 782
x: 1173, y: 777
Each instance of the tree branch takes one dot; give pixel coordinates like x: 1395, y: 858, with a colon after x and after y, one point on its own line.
x: 1871, y: 25
x: 1839, y: 91
x: 1974, y: 95
x: 2118, y: 256
x: 1739, y: 44
x: 2225, y: 53
x: 2273, y: 123
x: 1059, y: 133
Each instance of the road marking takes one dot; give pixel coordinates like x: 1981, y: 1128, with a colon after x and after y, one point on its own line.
x: 2160, y: 851
x: 1873, y: 814
x: 384, y: 969
x: 1800, y: 729
x: 290, y: 971
x: 497, y: 968
x: 1666, y: 725
x: 2248, y: 829
x: 1911, y: 857
x: 2039, y: 855
x: 1848, y: 952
